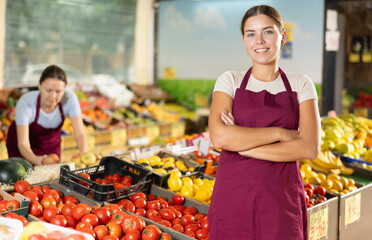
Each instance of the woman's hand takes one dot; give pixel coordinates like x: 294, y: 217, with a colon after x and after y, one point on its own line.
x: 228, y: 119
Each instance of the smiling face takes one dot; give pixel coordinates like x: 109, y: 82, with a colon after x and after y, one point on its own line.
x: 262, y: 39
x: 51, y: 93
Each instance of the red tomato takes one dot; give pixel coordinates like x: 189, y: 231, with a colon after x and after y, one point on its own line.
x: 136, y: 196
x: 53, y: 194
x: 210, y: 156
x: 178, y: 228
x: 161, y: 197
x: 37, y: 236
x: 108, y: 178
x: 163, y: 203
x: 79, y: 211
x: 59, y: 220
x: 48, y: 202
x: 127, y: 205
x: 167, y: 214
x: 140, y: 203
x: 90, y: 218
x: 2, y: 209
x: 103, y: 215
x: 83, y: 225
x: 22, y: 219
x: 151, y: 232
x: 116, y: 177
x: 217, y: 158
x: 45, y: 188
x: 179, y: 207
x: 114, y: 229
x: 31, y: 195
x: 190, y: 233
x: 67, y: 209
x: 74, y: 237
x: 199, y: 217
x: 71, y: 222
x: 70, y: 199
x: 3, y: 203
x: 201, y: 234
x: 50, y: 212
x: 197, y: 153
x: 205, y: 224
x: 154, y: 204
x: 132, y: 222
x: 165, y: 223
x: 84, y: 175
x: 151, y: 213
x: 12, y: 205
x: 109, y: 237
x: 101, y: 231
x: 38, y: 192
x: 165, y: 236
x: 150, y: 197
x: 178, y: 199
x: 309, y: 192
x: 22, y: 186
x: 35, y: 209
x: 113, y: 208
x: 320, y: 190
x: 307, y: 198
x: 192, y: 227
x: 127, y: 179
x: 141, y: 212
x: 132, y: 235
x: 177, y: 221
x: 187, y: 219
x: 98, y: 180
x: 89, y: 231
x: 189, y: 211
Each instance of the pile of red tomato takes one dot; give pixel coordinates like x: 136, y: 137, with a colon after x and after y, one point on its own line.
x: 9, y: 205
x: 314, y: 195
x: 103, y: 223
x: 172, y: 214
x: 116, y: 180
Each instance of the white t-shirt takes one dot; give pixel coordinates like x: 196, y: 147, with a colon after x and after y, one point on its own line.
x: 26, y: 110
x: 229, y: 81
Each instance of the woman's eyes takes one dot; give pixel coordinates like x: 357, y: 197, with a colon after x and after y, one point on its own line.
x: 268, y: 32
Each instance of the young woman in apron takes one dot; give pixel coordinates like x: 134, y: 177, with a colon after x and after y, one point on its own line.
x: 264, y: 121
x: 36, y: 130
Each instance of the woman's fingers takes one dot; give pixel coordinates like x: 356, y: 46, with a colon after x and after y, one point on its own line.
x: 228, y: 119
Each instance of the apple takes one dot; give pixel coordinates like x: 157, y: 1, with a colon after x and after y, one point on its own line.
x: 80, y: 165
x: 88, y: 158
x: 76, y: 158
x: 51, y: 159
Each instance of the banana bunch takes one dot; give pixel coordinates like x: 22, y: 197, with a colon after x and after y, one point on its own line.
x: 327, y: 162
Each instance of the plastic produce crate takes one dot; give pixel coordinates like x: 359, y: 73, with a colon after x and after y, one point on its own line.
x: 23, y: 203
x: 105, y: 192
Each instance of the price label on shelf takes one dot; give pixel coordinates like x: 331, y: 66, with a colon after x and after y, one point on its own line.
x: 152, y: 132
x: 178, y: 130
x: 352, y: 208
x: 118, y: 137
x: 318, y: 226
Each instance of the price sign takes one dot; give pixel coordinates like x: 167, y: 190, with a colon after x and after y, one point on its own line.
x: 91, y: 141
x: 178, y: 130
x: 152, y: 132
x: 318, y: 226
x: 118, y: 137
x: 352, y: 208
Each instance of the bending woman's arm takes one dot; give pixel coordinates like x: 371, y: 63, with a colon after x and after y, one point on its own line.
x: 24, y: 146
x: 79, y: 133
x: 307, y: 146
x: 236, y: 138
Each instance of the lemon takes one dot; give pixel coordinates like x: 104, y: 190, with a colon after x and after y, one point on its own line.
x: 161, y: 171
x: 174, y: 183
x: 187, y: 191
x: 351, y: 188
x: 195, y: 187
x: 322, y: 177
x: 187, y: 181
x: 344, y: 181
x: 143, y: 160
x: 351, y: 182
x: 327, y: 184
x: 310, y: 174
x: 154, y: 160
x: 168, y: 164
x: 333, y: 176
x: 198, y: 182
x: 314, y: 180
x: 148, y: 167
x: 302, y: 174
x: 337, y: 185
x: 306, y: 168
x: 176, y: 173
x: 169, y: 159
x: 32, y: 228
x: 203, y: 195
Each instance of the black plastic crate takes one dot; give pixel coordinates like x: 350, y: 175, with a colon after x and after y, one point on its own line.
x: 106, y: 192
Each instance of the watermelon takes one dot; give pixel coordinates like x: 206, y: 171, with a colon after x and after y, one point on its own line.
x: 26, y: 164
x: 11, y: 171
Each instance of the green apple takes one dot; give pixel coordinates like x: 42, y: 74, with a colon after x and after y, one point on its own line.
x: 88, y: 158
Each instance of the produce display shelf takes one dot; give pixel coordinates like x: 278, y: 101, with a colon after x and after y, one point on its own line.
x: 355, y: 214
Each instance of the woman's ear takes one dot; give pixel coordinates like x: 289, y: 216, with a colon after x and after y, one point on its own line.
x: 284, y: 37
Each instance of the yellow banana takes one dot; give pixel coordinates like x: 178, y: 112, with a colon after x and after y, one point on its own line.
x: 346, y: 170
x: 316, y: 167
x: 324, y: 164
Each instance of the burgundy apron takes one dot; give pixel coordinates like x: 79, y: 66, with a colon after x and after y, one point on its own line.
x: 42, y: 140
x: 257, y: 199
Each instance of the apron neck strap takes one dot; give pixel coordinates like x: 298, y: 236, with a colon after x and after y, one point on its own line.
x: 38, y: 109
x: 244, y: 83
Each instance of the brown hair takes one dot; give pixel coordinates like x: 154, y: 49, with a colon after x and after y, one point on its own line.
x: 265, y: 10
x: 55, y: 72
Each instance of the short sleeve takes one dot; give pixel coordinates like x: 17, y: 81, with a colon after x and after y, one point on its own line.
x: 23, y: 111
x: 307, y: 91
x: 225, y: 84
x: 71, y: 106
